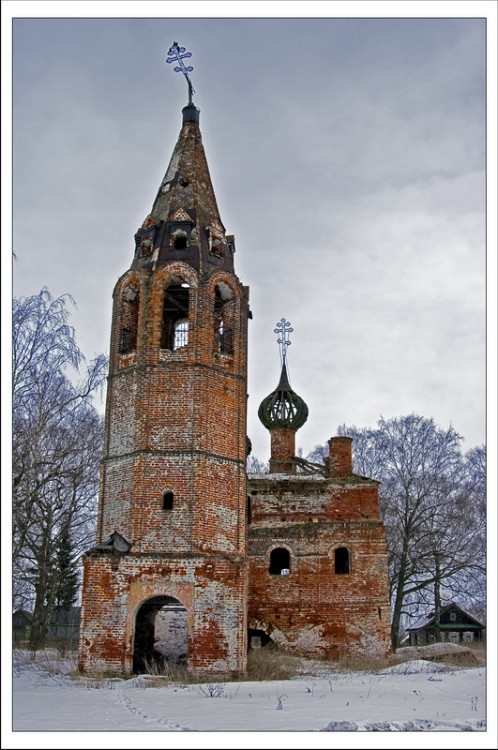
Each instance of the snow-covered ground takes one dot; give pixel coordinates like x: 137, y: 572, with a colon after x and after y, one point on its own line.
x: 50, y: 708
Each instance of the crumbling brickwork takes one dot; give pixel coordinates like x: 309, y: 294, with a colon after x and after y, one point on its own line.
x: 174, y: 502
x: 210, y: 589
x: 175, y: 432
x: 331, y: 598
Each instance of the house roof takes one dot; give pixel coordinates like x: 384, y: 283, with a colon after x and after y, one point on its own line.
x: 24, y: 613
x: 426, y: 621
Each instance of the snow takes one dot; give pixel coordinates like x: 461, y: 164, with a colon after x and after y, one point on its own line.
x: 52, y: 707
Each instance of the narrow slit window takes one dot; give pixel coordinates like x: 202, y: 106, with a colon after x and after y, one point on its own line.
x: 342, y: 561
x: 168, y: 500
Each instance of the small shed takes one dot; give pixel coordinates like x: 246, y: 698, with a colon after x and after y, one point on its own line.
x: 21, y: 624
x: 455, y: 624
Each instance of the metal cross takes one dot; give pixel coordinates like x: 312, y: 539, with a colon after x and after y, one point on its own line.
x: 283, y: 330
x: 177, y: 55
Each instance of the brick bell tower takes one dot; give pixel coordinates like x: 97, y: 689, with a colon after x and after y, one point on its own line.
x: 171, y: 536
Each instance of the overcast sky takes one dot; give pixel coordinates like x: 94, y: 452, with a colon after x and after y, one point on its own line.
x: 348, y: 157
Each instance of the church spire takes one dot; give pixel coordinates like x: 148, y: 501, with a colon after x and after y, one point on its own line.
x: 184, y: 222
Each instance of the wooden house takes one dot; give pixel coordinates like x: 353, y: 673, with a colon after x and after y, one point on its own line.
x: 455, y: 624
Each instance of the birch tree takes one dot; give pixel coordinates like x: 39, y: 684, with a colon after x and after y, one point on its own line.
x: 57, y: 434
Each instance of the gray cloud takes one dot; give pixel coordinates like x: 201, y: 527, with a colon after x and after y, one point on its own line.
x: 348, y: 158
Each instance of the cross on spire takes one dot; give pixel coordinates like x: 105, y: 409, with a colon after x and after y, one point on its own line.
x: 283, y: 330
x: 178, y: 54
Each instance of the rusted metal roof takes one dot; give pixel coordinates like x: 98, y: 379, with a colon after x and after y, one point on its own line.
x: 283, y: 407
x: 184, y: 223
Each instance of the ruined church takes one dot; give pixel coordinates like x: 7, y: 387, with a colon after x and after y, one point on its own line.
x: 195, y: 561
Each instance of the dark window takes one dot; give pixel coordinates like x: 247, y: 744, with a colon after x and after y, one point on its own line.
x: 168, y: 500
x: 279, y: 562
x: 180, y: 240
x: 175, y: 317
x: 249, y: 509
x: 341, y: 560
x: 180, y: 235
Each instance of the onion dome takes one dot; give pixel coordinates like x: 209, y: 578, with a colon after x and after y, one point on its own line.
x: 283, y: 407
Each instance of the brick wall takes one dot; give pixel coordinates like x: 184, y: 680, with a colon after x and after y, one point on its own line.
x: 211, y: 591
x: 175, y: 426
x: 315, y: 610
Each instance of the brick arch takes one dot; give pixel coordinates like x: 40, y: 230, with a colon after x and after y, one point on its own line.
x: 128, y: 305
x: 223, y: 277
x: 226, y: 295
x: 126, y: 279
x: 151, y: 649
x: 172, y: 275
x: 163, y: 275
x: 274, y: 545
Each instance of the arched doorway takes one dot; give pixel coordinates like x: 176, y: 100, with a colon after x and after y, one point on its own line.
x: 160, y: 635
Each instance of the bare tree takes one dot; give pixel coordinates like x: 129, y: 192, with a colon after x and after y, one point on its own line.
x: 256, y: 466
x: 428, y: 512
x: 57, y: 434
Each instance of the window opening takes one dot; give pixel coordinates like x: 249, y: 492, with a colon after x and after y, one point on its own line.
x: 129, y: 320
x: 174, y: 332
x: 181, y: 334
x: 223, y: 319
x: 280, y: 562
x: 341, y: 560
x: 249, y: 509
x: 168, y: 500
x: 180, y: 239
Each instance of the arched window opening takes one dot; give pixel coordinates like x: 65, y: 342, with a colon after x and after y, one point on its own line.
x: 280, y: 562
x: 161, y: 635
x: 174, y: 333
x: 223, y: 319
x: 168, y: 500
x: 128, y: 319
x: 341, y: 561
